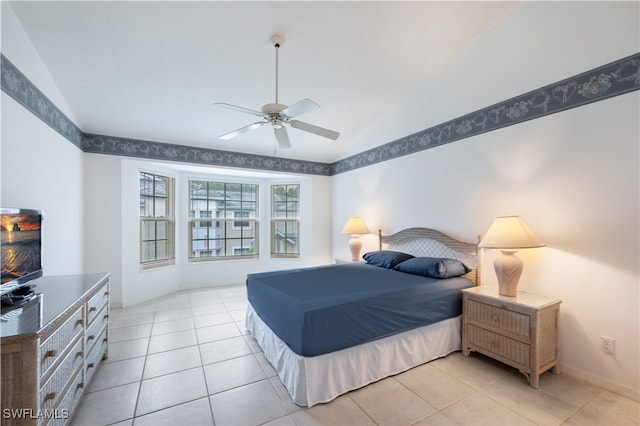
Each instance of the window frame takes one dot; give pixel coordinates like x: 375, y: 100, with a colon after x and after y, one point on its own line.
x: 168, y: 219
x: 222, y: 220
x: 294, y: 220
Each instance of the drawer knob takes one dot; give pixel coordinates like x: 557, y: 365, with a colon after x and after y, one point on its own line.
x: 79, y: 322
x: 93, y: 309
x: 50, y: 395
x: 495, y: 318
x: 90, y: 365
x: 81, y: 353
x: 91, y: 337
x: 80, y: 385
x: 106, y: 293
x: 50, y: 354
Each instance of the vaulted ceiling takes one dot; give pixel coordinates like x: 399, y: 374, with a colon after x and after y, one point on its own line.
x: 151, y: 70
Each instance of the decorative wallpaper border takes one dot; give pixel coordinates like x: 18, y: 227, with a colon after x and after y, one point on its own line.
x: 187, y: 154
x: 616, y: 78
x: 20, y: 88
x: 610, y: 80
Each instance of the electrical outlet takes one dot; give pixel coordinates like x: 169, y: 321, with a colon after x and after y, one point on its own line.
x: 608, y: 345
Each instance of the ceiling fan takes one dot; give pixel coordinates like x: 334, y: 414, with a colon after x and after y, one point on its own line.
x: 278, y: 114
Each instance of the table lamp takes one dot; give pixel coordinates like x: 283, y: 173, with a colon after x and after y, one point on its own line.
x: 355, y: 226
x: 508, y: 233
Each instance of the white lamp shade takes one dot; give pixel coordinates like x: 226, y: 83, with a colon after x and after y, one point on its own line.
x: 355, y: 226
x: 509, y: 232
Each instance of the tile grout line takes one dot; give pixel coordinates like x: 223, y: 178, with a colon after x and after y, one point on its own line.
x: 206, y: 382
x: 144, y: 366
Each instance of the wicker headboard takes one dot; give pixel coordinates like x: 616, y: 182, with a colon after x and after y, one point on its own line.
x: 431, y: 243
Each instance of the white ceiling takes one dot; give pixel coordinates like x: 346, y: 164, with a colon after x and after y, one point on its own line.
x: 152, y: 69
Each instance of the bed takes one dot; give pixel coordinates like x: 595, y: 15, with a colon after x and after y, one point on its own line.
x: 331, y: 329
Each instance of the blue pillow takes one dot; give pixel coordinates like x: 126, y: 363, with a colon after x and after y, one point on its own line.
x: 385, y: 258
x: 434, y: 267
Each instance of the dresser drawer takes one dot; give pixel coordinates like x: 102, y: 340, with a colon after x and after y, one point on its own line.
x: 95, y: 355
x: 97, y: 302
x: 514, y: 323
x: 54, y: 387
x: 511, y: 350
x: 53, y: 347
x: 59, y: 415
x: 101, y: 321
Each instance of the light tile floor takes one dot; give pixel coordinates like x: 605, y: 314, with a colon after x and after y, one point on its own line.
x: 186, y: 359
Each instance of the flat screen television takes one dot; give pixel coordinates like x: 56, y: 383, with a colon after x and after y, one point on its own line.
x: 21, y: 245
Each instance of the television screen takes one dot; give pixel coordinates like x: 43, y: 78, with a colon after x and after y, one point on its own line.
x: 21, y: 244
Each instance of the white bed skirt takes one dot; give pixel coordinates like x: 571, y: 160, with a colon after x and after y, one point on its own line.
x: 319, y: 379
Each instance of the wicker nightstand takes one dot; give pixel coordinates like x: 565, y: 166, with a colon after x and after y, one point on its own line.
x: 520, y: 331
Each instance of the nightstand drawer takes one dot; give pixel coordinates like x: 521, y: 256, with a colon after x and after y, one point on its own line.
x: 514, y: 323
x: 511, y: 350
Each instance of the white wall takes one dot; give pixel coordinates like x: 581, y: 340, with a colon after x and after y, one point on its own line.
x: 112, y: 211
x: 32, y: 177
x: 40, y: 169
x: 17, y: 47
x: 572, y: 176
x: 102, y: 220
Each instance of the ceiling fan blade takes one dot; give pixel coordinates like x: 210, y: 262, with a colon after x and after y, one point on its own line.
x: 242, y: 130
x: 300, y: 107
x: 320, y: 131
x: 282, y: 137
x: 238, y: 108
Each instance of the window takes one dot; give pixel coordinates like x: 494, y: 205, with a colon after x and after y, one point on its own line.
x: 223, y: 220
x: 285, y: 220
x: 156, y: 220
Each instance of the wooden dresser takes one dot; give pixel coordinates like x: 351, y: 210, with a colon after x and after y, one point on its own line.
x: 51, y: 347
x: 520, y: 331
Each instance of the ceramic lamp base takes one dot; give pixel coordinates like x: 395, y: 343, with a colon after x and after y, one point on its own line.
x: 355, y: 245
x: 508, y: 268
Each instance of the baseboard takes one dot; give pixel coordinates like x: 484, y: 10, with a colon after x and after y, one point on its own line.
x: 620, y: 389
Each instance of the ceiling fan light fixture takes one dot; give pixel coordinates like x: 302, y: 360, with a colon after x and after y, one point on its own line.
x: 278, y: 114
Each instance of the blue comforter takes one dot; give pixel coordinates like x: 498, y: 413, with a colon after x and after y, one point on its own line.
x: 324, y: 309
